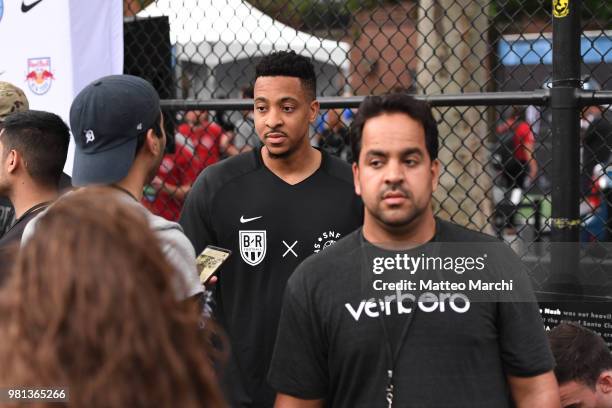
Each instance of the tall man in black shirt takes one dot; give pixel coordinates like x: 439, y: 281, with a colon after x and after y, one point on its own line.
x: 345, y: 341
x: 273, y: 207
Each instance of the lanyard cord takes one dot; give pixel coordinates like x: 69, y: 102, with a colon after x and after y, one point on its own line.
x: 393, y: 358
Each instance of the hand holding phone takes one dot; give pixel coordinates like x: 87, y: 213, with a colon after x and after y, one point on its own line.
x: 209, y: 261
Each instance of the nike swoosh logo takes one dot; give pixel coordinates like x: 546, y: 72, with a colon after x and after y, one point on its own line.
x: 243, y: 220
x: 27, y: 7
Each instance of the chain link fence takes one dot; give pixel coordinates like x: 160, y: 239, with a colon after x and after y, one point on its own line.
x: 201, y: 54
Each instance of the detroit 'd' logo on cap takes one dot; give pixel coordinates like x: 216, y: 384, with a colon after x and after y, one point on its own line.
x: 89, y: 136
x: 39, y: 75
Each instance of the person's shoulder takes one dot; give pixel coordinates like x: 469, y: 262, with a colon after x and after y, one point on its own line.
x: 30, y: 227
x: 170, y: 233
x: 178, y: 250
x: 451, y: 232
x: 337, y: 168
x: 158, y: 223
x: 221, y: 173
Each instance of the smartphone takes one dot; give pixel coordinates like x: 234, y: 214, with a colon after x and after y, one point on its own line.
x: 209, y: 261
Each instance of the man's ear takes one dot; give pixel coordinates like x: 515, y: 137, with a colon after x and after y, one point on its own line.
x: 356, y: 179
x: 153, y: 143
x: 604, y: 382
x: 435, y: 174
x: 314, y: 110
x: 13, y: 161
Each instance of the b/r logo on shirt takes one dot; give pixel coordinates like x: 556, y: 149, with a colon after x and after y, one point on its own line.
x: 252, y: 246
x: 326, y: 239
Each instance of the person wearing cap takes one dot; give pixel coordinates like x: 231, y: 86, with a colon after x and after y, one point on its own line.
x: 119, y: 137
x: 33, y: 149
x: 12, y: 99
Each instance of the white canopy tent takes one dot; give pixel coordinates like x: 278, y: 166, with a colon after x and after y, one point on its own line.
x: 214, y: 32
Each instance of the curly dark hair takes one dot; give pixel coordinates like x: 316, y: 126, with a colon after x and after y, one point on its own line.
x: 91, y: 306
x: 290, y: 64
x: 581, y: 354
x: 373, y: 106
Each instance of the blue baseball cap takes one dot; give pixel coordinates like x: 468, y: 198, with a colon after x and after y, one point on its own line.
x: 106, y: 118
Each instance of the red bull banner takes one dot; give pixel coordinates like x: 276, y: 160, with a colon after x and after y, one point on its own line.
x: 53, y: 48
x: 39, y: 75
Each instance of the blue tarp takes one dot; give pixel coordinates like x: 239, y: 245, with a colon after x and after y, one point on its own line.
x: 594, y: 50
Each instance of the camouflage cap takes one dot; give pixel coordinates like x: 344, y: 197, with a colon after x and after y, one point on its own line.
x: 12, y: 99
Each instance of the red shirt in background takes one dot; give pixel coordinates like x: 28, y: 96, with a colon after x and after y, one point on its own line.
x: 206, y: 139
x: 523, y: 141
x: 195, y: 148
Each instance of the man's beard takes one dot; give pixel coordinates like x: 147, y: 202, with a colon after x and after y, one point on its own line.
x: 283, y: 155
x: 154, y: 169
x: 409, y: 217
x: 401, y: 222
x: 5, y: 187
x: 277, y: 156
x: 291, y: 149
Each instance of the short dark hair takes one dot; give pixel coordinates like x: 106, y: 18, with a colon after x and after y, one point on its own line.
x: 581, y: 354
x: 373, y: 106
x: 290, y: 64
x: 42, y: 139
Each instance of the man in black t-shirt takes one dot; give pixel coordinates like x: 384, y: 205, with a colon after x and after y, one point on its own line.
x: 346, y: 341
x: 272, y: 207
x: 33, y: 149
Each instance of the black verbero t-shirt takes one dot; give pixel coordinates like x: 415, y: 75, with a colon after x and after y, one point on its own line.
x: 331, y: 342
x: 270, y: 227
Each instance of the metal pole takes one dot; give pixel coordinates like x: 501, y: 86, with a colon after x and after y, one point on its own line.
x: 566, y: 145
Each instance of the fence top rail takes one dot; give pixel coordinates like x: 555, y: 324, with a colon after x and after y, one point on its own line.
x: 537, y: 97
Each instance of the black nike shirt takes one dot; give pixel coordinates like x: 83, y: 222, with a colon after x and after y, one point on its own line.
x: 270, y: 227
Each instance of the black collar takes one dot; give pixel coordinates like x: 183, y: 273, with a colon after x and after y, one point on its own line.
x: 33, y: 209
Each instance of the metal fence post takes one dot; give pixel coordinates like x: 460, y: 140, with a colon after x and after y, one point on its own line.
x: 566, y: 144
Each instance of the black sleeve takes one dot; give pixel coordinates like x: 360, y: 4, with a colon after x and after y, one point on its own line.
x: 195, y: 217
x: 298, y: 366
x: 524, y: 347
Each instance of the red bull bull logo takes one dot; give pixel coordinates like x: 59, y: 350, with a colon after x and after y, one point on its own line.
x: 39, y: 75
